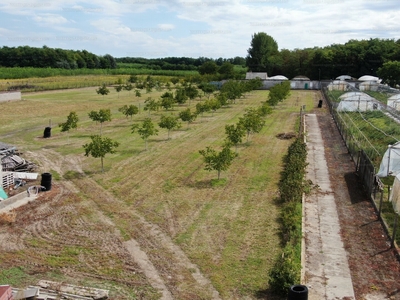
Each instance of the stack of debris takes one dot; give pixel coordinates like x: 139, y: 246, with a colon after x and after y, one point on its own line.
x: 47, y: 290
x: 11, y: 160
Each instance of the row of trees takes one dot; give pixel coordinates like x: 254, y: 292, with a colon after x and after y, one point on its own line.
x: 355, y: 58
x: 45, y: 57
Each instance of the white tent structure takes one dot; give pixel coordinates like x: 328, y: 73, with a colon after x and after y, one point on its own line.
x: 370, y: 78
x: 278, y: 77
x: 357, y: 101
x: 338, y: 85
x: 390, y: 164
x: 344, y: 77
x: 394, y: 101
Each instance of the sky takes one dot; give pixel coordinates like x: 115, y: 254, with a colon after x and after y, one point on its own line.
x: 192, y: 28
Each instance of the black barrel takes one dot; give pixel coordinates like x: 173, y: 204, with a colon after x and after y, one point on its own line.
x: 46, y: 181
x: 47, y: 132
x: 298, y: 292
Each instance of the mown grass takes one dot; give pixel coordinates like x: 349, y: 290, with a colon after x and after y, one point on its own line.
x: 229, y: 228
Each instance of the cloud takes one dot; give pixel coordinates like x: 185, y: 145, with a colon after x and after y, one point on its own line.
x: 49, y: 19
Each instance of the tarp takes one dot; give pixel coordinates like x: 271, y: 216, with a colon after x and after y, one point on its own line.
x: 3, y: 194
x: 390, y: 164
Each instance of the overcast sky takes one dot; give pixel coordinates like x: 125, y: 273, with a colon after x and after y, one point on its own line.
x: 192, y: 28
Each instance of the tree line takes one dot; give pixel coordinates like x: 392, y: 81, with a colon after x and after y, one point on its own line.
x: 46, y: 57
x: 355, y: 58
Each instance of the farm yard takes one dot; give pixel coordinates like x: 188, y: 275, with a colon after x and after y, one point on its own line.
x: 202, y: 238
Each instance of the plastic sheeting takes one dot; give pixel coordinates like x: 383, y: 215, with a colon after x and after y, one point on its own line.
x: 357, y: 101
x: 395, y: 194
x: 390, y: 164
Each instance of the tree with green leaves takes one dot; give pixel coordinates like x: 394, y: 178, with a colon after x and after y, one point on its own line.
x: 129, y: 110
x: 209, y: 67
x: 207, y: 88
x: 72, y: 122
x: 234, y: 134
x: 99, y: 147
x: 213, y: 104
x: 227, y: 70
x: 146, y: 130
x: 187, y: 116
x: 252, y: 122
x: 278, y: 93
x: 202, y: 107
x: 232, y: 89
x: 150, y: 104
x: 128, y: 87
x: 169, y: 122
x: 218, y: 161
x: 180, y: 96
x: 101, y: 116
x: 137, y: 93
x: 103, y: 90
x: 390, y: 73
x: 167, y: 101
x: 222, y: 98
x: 191, y: 92
x: 262, y: 53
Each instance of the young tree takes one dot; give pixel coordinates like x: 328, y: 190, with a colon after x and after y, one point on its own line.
x: 146, y: 130
x: 99, y: 147
x: 209, y: 67
x: 118, y: 88
x: 201, y: 108
x: 137, y: 93
x: 151, y: 104
x: 129, y: 110
x: 187, y: 116
x: 180, y: 96
x: 222, y: 98
x: 169, y: 122
x: 234, y: 134
x: 213, y: 104
x: 251, y: 121
x: 101, y: 116
x: 218, y: 161
x: 207, y: 88
x: 103, y: 90
x: 128, y: 87
x: 167, y: 102
x: 232, y: 89
x: 72, y: 122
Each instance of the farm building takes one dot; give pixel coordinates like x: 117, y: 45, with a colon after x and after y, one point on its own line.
x: 338, y: 85
x: 253, y: 75
x: 5, y: 292
x: 357, y: 101
x: 394, y: 101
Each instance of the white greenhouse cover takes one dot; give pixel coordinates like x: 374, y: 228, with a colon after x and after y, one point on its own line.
x: 395, y: 194
x: 357, y: 101
x: 369, y: 78
x: 344, y: 77
x: 390, y: 164
x: 394, y: 101
x: 278, y: 77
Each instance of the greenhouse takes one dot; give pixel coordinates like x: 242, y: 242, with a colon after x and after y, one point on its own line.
x: 338, y: 85
x: 390, y: 164
x: 394, y: 101
x: 357, y: 101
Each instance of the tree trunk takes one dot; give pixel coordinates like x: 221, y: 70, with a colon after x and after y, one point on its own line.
x: 219, y: 173
x: 102, y: 165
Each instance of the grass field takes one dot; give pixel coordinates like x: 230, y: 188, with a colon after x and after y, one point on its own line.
x: 227, y: 228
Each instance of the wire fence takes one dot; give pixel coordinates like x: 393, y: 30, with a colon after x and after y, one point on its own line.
x: 367, y: 133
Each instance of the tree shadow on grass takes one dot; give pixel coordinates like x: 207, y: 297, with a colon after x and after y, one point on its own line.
x: 200, y: 184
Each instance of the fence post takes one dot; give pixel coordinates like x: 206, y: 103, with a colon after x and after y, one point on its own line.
x: 380, y: 205
x: 394, y: 230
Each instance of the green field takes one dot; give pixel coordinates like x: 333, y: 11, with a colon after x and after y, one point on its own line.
x: 229, y: 229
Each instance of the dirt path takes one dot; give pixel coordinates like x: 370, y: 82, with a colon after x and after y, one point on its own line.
x: 51, y: 160
x: 374, y: 268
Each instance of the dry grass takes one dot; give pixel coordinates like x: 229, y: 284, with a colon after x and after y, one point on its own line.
x: 228, y: 228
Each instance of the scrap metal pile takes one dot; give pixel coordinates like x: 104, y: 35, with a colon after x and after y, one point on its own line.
x: 12, y: 161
